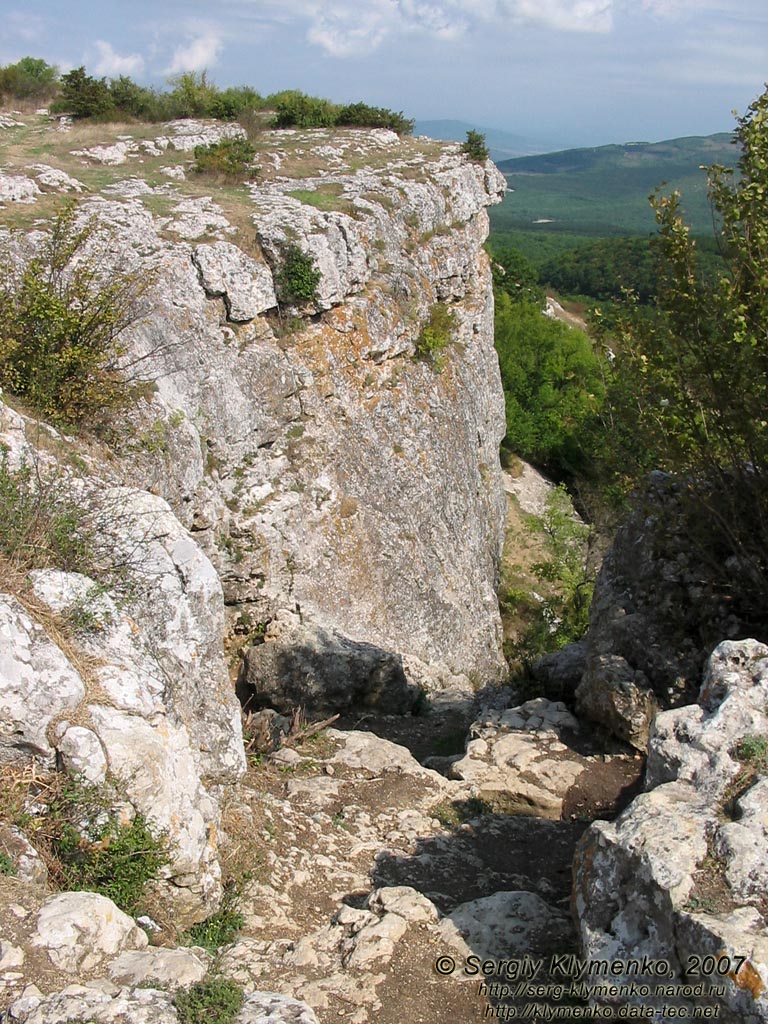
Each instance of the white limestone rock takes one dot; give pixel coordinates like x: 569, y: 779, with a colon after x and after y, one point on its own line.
x: 516, y: 762
x: 271, y: 1008
x: 83, y: 755
x: 404, y: 901
x: 635, y: 879
x: 38, y: 684
x: 90, y: 1003
x: 15, y: 188
x: 28, y: 865
x: 192, y: 218
x: 168, y: 969
x: 184, y: 135
x: 506, y: 924
x: 53, y: 178
x: 245, y: 285
x: 111, y: 156
x: 80, y: 931
x: 159, y: 774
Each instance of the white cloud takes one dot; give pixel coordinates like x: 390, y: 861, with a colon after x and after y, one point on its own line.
x: 594, y: 16
x: 29, y: 27
x: 344, y: 31
x: 199, y: 52
x: 345, y: 28
x: 112, y: 64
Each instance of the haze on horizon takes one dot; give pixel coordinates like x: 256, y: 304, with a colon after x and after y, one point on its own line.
x: 571, y: 72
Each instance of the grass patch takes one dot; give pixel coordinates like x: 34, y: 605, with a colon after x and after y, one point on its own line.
x: 453, y: 813
x: 214, y: 1000
x: 85, y: 844
x: 327, y: 198
x: 752, y: 753
x: 220, y: 928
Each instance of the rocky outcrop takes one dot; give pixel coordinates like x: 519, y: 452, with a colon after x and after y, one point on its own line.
x: 303, y: 475
x: 124, y: 684
x: 336, y: 481
x: 516, y: 761
x: 682, y: 874
x: 659, y: 608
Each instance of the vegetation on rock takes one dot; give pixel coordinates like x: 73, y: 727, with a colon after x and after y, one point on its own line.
x: 475, y: 147
x: 229, y: 158
x: 62, y: 315
x: 214, y: 1000
x: 86, y: 841
x: 689, y: 386
x: 191, y: 94
x: 298, y: 278
x: 436, y: 335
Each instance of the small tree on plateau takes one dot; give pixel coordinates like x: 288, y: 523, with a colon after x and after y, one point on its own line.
x: 475, y: 147
x: 690, y: 385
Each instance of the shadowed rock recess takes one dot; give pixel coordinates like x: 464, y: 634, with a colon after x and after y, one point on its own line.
x: 301, y: 515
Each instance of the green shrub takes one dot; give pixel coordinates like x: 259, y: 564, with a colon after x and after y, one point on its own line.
x: 96, y: 852
x: 132, y: 100
x: 213, y: 1000
x: 363, y: 116
x: 40, y: 525
x: 230, y: 158
x: 220, y: 928
x: 294, y: 109
x: 436, y: 335
x: 29, y: 78
x: 753, y: 750
x: 231, y: 103
x: 475, y: 147
x: 61, y: 321
x: 298, y: 278
x: 562, y: 615
x: 7, y: 867
x: 83, y: 96
x: 191, y: 95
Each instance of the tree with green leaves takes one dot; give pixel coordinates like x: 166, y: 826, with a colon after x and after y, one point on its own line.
x: 689, y: 389
x: 84, y: 96
x: 553, y: 385
x: 475, y: 147
x: 28, y: 78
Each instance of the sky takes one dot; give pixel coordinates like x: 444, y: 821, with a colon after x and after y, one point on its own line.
x: 567, y: 72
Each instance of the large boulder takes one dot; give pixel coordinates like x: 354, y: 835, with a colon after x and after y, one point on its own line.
x: 320, y: 670
x: 659, y: 608
x: 682, y: 874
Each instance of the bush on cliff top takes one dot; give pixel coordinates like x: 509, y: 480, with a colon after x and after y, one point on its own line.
x: 192, y: 94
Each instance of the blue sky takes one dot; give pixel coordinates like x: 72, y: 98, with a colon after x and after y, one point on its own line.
x: 573, y: 72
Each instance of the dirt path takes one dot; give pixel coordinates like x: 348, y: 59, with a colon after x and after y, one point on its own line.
x: 366, y: 866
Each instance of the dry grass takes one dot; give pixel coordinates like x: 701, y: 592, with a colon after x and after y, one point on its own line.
x: 60, y: 632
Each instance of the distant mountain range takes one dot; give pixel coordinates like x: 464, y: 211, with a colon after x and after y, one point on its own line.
x: 604, y: 190
x: 502, y: 145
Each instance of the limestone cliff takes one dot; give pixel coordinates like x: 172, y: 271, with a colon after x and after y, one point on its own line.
x: 300, y: 466
x: 335, y: 480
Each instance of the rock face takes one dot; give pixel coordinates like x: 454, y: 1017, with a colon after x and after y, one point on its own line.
x: 319, y: 669
x: 337, y: 482
x: 144, y: 674
x: 516, y: 761
x: 683, y: 873
x: 300, y: 465
x: 654, y: 618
